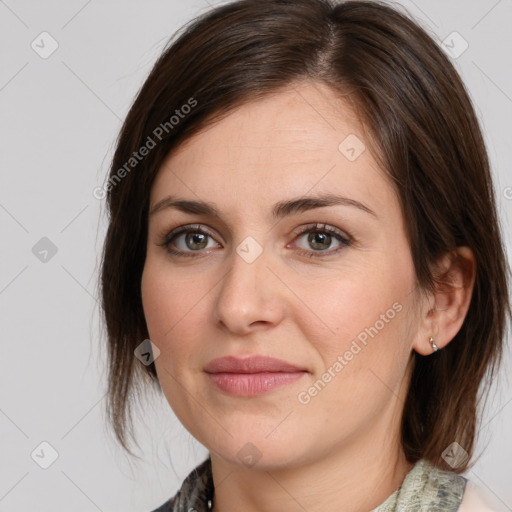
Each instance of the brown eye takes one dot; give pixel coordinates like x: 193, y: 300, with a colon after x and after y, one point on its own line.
x: 187, y: 240
x: 320, y: 238
x: 196, y: 241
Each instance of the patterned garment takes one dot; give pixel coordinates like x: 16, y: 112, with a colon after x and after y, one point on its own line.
x: 424, y: 489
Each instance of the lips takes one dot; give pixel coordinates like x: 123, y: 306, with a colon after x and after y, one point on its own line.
x: 252, y: 364
x: 251, y: 376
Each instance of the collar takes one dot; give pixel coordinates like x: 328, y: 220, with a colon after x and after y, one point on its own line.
x: 425, y: 487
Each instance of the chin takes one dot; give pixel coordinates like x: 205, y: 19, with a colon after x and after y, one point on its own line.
x: 259, y: 453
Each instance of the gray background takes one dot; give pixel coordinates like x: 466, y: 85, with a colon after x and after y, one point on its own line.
x: 59, y: 119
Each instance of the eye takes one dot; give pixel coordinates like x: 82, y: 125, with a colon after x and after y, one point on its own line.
x: 320, y: 238
x: 193, y: 239
x: 187, y: 239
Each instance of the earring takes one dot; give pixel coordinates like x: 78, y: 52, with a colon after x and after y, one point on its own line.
x: 434, y: 346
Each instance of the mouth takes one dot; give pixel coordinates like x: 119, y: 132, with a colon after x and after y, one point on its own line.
x: 251, y: 376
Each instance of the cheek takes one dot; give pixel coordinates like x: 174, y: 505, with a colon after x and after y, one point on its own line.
x: 350, y: 304
x: 156, y: 303
x: 165, y: 299
x: 174, y: 308
x: 367, y: 312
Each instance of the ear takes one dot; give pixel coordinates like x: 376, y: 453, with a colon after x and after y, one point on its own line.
x: 443, y: 313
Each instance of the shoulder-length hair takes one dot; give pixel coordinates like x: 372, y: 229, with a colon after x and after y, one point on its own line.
x: 422, y: 129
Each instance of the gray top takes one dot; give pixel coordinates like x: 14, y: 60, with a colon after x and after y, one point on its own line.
x: 425, y: 488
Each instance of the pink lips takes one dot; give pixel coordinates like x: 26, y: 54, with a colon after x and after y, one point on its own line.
x: 251, y: 376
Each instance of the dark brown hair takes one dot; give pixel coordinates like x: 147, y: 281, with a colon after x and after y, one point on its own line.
x: 423, y: 131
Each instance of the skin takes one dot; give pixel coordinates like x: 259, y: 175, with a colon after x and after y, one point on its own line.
x: 343, y: 445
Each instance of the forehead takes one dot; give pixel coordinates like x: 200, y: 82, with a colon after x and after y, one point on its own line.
x: 302, y: 139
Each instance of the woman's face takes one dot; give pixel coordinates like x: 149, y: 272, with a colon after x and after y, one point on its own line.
x: 329, y: 289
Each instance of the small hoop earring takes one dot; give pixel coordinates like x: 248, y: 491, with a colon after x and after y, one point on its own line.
x: 434, y: 346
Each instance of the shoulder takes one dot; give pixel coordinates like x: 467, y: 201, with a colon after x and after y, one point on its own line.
x: 166, y: 507
x: 194, y: 492
x: 477, y: 499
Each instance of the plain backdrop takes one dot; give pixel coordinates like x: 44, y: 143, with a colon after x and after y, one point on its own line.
x: 63, y: 95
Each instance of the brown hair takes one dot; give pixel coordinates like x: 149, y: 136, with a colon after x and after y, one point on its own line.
x: 423, y: 131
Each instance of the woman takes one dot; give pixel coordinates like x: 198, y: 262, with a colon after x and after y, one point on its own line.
x: 304, y: 253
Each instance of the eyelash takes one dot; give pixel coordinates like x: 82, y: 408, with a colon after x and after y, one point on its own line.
x: 344, y: 238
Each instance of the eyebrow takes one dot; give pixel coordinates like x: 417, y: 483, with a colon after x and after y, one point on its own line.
x: 280, y: 209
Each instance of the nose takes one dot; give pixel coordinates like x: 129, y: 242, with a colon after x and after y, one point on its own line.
x: 250, y: 296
